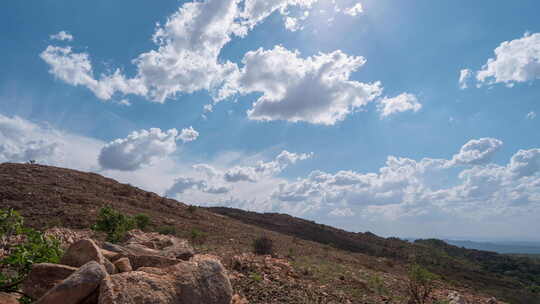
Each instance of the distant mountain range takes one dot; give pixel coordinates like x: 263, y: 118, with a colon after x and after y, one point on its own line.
x: 499, y: 247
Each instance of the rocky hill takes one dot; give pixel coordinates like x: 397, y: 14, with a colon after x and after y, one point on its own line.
x: 311, y: 263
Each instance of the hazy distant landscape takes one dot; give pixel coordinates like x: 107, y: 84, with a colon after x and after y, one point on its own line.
x: 500, y: 247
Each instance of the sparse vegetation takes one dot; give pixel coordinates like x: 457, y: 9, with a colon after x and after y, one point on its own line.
x: 31, y: 247
x: 141, y: 221
x: 168, y: 230
x: 376, y: 284
x: 197, y: 236
x: 263, y: 245
x: 114, y: 223
x: 420, y: 284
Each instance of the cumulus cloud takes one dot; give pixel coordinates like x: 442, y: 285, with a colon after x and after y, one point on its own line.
x: 465, y: 76
x: 186, y: 58
x: 531, y: 115
x: 401, y: 103
x: 515, y: 61
x: 76, y: 69
x: 211, y: 180
x: 142, y: 148
x: 62, y: 36
x: 22, y: 141
x: 315, y: 89
x: 354, y: 10
x: 188, y: 134
x: 477, y: 151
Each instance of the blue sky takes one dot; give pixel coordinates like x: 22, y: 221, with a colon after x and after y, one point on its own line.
x: 402, y: 118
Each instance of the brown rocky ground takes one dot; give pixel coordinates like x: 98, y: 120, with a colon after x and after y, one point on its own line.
x: 301, y: 271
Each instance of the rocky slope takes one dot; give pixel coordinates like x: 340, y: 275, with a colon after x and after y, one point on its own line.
x: 302, y: 270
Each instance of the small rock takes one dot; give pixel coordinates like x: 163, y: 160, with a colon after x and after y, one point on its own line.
x: 113, y: 248
x: 237, y: 299
x: 111, y: 269
x: 82, y: 252
x: 110, y: 255
x: 455, y: 298
x: 7, y: 298
x: 77, y: 287
x: 492, y: 300
x: 123, y: 265
x: 138, y: 261
x: 43, y: 277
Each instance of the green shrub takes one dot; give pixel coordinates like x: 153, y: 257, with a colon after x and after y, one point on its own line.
x: 170, y: 230
x: 263, y: 245
x: 114, y: 223
x: 141, y: 220
x: 421, y: 284
x: 376, y: 283
x: 34, y: 248
x: 197, y: 236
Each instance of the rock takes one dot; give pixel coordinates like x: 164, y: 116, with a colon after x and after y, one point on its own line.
x: 492, y: 300
x: 200, y: 281
x: 43, y: 277
x: 455, y: 298
x: 151, y: 243
x: 82, y: 252
x: 237, y: 299
x: 138, y: 261
x: 123, y: 265
x: 111, y: 269
x: 77, y: 287
x: 110, y: 255
x: 113, y: 248
x: 7, y: 298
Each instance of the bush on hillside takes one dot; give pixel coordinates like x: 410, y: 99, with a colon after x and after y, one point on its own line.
x: 197, y: 236
x: 114, y: 223
x: 141, y: 220
x: 263, y: 245
x: 421, y: 284
x: 31, y: 247
x: 167, y: 230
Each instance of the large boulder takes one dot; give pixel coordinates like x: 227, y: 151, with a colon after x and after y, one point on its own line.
x: 200, y: 281
x: 7, y: 298
x: 43, y: 277
x: 78, y: 287
x: 82, y: 252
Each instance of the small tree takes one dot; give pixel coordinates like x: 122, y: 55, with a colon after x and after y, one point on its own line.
x: 263, y: 245
x: 197, y: 236
x: 114, y: 223
x: 141, y: 220
x: 34, y: 247
x: 421, y: 284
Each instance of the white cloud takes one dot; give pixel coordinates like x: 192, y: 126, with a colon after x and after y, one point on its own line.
x: 22, y: 140
x: 515, y: 61
x: 316, y: 89
x: 354, y: 10
x: 477, y: 151
x: 76, y: 69
x: 186, y: 59
x: 188, y: 134
x: 465, y: 76
x: 401, y: 103
x: 206, y: 179
x: 142, y: 148
x: 62, y: 36
x: 531, y: 115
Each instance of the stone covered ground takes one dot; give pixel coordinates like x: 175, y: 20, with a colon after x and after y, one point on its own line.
x: 153, y: 268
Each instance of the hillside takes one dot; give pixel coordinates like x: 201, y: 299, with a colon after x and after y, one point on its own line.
x: 327, y: 264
